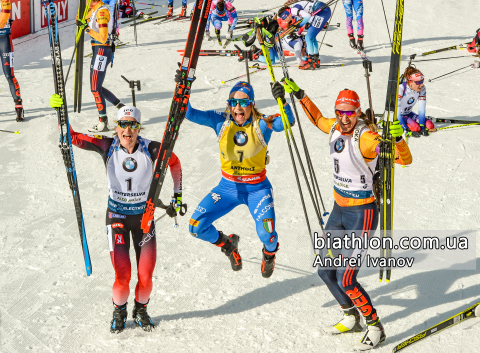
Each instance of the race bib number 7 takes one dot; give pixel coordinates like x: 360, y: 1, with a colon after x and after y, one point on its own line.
x: 100, y: 63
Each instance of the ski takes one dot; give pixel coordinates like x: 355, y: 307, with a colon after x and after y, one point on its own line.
x: 264, y: 66
x: 151, y: 19
x: 227, y: 42
x: 472, y: 311
x: 83, y: 7
x: 453, y: 47
x: 453, y: 127
x: 453, y: 121
x: 65, y: 142
x: 228, y: 51
x: 178, y: 109
x: 387, y: 145
x: 145, y: 16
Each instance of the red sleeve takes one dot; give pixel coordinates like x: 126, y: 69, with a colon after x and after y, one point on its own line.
x: 176, y: 171
x: 97, y: 143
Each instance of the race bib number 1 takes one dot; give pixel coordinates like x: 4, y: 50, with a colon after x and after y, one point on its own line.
x: 100, y: 63
x: 317, y: 21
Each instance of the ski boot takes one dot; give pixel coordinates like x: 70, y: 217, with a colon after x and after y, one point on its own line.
x: 349, y: 323
x: 373, y: 337
x: 102, y: 125
x: 360, y: 42
x: 118, y: 104
x: 268, y: 262
x: 229, y: 245
x: 117, y: 324
x: 353, y: 45
x: 217, y: 33
x: 19, y: 110
x: 170, y: 11
x: 141, y: 318
x: 183, y: 13
x: 310, y: 64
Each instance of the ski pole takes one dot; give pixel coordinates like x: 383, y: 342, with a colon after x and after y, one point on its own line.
x: 12, y: 132
x: 132, y: 84
x: 251, y: 73
x: 367, y: 64
x: 386, y: 22
x: 450, y: 57
x: 135, y: 24
x: 327, y: 24
x: 449, y: 73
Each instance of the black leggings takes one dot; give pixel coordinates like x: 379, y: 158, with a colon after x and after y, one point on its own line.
x: 6, y: 52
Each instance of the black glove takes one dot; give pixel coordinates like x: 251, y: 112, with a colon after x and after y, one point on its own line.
x: 178, y: 76
x: 278, y: 91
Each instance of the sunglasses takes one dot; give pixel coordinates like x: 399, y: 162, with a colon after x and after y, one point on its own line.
x: 348, y: 113
x: 243, y: 102
x: 123, y: 124
x: 418, y: 82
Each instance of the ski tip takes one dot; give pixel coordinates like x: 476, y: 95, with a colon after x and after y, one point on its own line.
x: 223, y: 82
x: 388, y: 280
x: 17, y: 132
x: 379, y: 280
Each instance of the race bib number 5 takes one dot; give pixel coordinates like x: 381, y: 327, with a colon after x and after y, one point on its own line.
x: 100, y: 63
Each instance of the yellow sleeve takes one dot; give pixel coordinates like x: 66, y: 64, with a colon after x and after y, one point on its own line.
x: 103, y: 17
x: 5, y: 14
x: 368, y: 145
x: 315, y: 115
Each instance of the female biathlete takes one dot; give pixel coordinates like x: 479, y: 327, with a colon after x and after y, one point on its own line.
x: 303, y: 10
x: 219, y: 12
x: 243, y: 135
x: 409, y: 92
x: 354, y: 147
x: 350, y: 6
x: 129, y: 160
x: 99, y: 25
x: 6, y: 54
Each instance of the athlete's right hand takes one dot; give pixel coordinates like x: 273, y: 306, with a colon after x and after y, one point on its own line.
x: 56, y: 101
x: 291, y: 87
x: 82, y: 24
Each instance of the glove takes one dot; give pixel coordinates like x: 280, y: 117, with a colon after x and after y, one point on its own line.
x: 82, y: 24
x: 207, y: 35
x: 229, y: 34
x: 174, y: 205
x: 178, y: 76
x: 291, y: 87
x: 56, y: 101
x: 278, y: 91
x: 396, y: 129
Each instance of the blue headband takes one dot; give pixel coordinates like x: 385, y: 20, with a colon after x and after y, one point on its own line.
x: 245, y: 88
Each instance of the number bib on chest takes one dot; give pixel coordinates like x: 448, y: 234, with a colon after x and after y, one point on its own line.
x: 129, y: 178
x: 352, y: 176
x: 241, y: 151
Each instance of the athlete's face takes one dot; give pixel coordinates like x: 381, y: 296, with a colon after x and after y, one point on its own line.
x: 127, y: 136
x: 345, y: 122
x: 240, y: 115
x: 415, y: 86
x: 93, y: 3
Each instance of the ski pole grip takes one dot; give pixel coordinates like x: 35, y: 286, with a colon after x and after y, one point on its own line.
x: 182, y: 206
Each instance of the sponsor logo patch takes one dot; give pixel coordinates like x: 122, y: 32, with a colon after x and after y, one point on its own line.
x: 117, y: 225
x: 339, y: 145
x: 129, y: 165
x: 216, y: 197
x: 119, y: 239
x: 272, y: 239
x: 240, y: 138
x: 193, y: 222
x: 116, y: 215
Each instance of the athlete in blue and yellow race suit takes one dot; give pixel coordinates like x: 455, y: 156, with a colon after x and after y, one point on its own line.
x: 243, y: 135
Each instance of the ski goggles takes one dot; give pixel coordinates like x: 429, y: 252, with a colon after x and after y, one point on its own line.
x: 243, y: 102
x: 123, y: 124
x: 348, y: 113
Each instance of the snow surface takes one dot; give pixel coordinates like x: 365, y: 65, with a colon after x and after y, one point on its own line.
x: 48, y: 304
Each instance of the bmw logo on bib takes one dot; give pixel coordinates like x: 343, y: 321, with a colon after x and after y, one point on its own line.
x: 129, y: 164
x: 240, y: 138
x: 411, y: 100
x: 339, y: 145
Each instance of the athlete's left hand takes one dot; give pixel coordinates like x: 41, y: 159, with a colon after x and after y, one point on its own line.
x: 396, y: 129
x: 56, y: 101
x: 82, y: 24
x: 177, y: 201
x: 278, y: 91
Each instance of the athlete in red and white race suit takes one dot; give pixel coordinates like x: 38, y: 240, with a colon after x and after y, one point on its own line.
x: 129, y: 160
